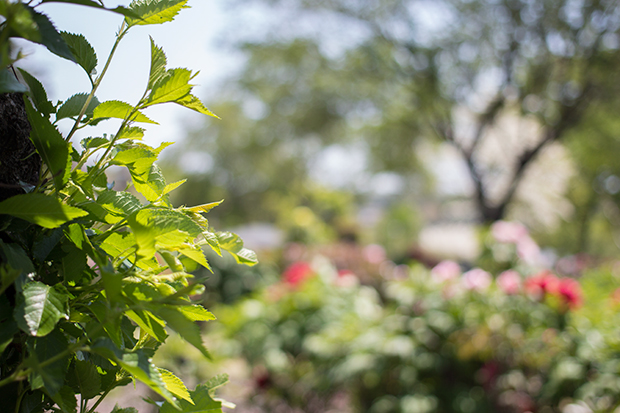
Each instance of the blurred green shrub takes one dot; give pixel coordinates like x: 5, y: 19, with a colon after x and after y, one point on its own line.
x: 420, y: 340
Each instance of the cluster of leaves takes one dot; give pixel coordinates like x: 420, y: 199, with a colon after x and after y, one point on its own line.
x: 422, y: 343
x: 91, y: 278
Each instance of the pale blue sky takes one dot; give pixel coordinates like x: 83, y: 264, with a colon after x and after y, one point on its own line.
x: 188, y: 41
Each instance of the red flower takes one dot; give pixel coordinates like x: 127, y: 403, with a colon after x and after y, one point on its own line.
x: 541, y: 284
x: 569, y: 291
x: 297, y: 272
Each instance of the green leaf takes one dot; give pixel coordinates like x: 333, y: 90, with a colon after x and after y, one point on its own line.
x: 195, y: 254
x: 123, y: 410
x: 73, y: 106
x: 185, y: 327
x: 213, y: 242
x: 150, y: 324
x: 83, y: 52
x: 234, y: 245
x: 154, y: 11
x: 65, y: 399
x: 51, y: 376
x: 172, y: 86
x: 216, y: 382
x: 40, y: 307
x: 196, y: 312
x: 148, y: 224
x: 50, y: 145
x: 37, y: 93
x: 84, y: 379
x: 175, y: 385
x: 204, y: 207
x: 73, y: 263
x: 192, y: 102
x: 203, y: 403
x: 171, y: 187
x: 132, y: 132
x: 137, y: 364
x: 9, y: 83
x: 43, y: 210
x: 120, y: 110
x: 158, y: 64
x: 118, y: 204
x: 151, y: 184
x: 50, y: 37
x: 90, y: 142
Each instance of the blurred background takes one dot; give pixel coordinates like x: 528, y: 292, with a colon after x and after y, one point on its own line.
x: 362, y: 143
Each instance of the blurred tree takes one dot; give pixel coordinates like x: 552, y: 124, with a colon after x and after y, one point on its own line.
x: 396, y: 72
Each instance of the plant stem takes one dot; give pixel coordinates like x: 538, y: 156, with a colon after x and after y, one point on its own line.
x: 121, y: 33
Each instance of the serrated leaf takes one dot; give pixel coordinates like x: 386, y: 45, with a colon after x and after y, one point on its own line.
x: 137, y: 364
x: 234, y: 245
x: 216, y: 382
x: 196, y: 312
x: 154, y: 11
x: 213, y: 242
x: 90, y: 142
x: 73, y: 106
x: 158, y: 64
x: 51, y: 376
x: 119, y: 110
x: 85, y: 379
x: 205, y: 207
x: 171, y: 187
x: 40, y: 209
x: 172, y: 86
x: 50, y: 37
x: 192, y: 102
x: 118, y: 204
x: 37, y: 93
x: 203, y: 403
x: 40, y: 307
x: 186, y: 328
x: 83, y: 52
x: 175, y: 385
x: 9, y: 83
x: 123, y: 410
x: 150, y: 324
x: 50, y: 145
x: 132, y: 132
x: 195, y: 254
x: 151, y: 184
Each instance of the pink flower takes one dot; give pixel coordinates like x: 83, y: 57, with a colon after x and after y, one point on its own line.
x: 509, y: 282
x: 508, y: 232
x: 374, y: 254
x: 297, y: 272
x: 528, y: 250
x: 477, y: 279
x: 445, y: 271
x: 569, y: 291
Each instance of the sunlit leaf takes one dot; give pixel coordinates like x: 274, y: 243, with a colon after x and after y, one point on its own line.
x: 158, y: 64
x: 203, y: 403
x: 192, y: 102
x: 205, y: 207
x: 40, y: 209
x: 40, y: 307
x: 154, y: 11
x: 119, y: 110
x: 175, y: 385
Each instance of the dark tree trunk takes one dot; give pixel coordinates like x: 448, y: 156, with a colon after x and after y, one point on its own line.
x: 20, y: 165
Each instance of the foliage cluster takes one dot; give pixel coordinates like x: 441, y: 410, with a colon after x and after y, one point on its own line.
x: 438, y: 340
x: 93, y: 279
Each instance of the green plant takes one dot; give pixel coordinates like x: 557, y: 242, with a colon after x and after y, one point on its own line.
x: 92, y: 279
